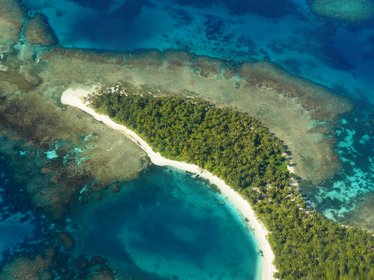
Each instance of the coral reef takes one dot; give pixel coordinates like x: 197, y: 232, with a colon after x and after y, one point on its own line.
x: 350, y: 10
x: 67, y: 240
x: 322, y: 104
x: 363, y: 214
x: 85, y: 152
x: 11, y: 19
x: 39, y: 32
x: 25, y: 268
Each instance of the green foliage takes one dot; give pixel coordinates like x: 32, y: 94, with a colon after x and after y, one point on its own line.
x: 237, y: 148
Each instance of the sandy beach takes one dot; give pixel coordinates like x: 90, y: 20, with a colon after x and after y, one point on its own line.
x: 74, y: 97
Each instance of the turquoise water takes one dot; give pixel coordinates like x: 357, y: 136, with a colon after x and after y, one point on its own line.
x: 168, y: 224
x: 355, y: 148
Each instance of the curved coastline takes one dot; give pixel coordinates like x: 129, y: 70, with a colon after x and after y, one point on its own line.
x: 266, y: 269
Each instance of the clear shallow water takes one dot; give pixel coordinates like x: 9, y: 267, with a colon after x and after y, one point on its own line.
x: 167, y: 223
x: 355, y: 148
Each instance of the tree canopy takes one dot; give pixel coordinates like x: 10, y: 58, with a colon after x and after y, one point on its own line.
x: 241, y: 151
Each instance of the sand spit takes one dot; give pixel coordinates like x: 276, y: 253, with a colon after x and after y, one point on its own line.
x: 74, y: 97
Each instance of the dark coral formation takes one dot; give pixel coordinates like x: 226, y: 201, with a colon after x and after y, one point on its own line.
x: 53, y: 264
x: 321, y: 104
x: 11, y: 20
x: 39, y: 32
x: 21, y: 268
x: 80, y: 152
x: 348, y: 10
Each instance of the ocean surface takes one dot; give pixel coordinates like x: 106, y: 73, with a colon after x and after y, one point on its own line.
x: 168, y: 205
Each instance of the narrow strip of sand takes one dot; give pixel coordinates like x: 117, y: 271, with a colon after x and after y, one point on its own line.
x: 74, y: 97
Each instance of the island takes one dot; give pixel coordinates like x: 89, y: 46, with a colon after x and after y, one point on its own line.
x: 252, y: 129
x: 237, y: 148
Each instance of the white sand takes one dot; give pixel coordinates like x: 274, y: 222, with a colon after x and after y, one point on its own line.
x: 74, y: 97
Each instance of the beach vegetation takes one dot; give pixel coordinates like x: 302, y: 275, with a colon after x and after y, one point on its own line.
x: 247, y: 156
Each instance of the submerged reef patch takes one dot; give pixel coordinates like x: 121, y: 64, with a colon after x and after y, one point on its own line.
x: 27, y: 268
x: 362, y: 216
x: 62, y: 149
x: 44, y: 247
x: 11, y: 19
x: 84, y: 152
x: 347, y: 197
x: 51, y: 263
x: 51, y: 186
x: 350, y: 10
x: 41, y: 122
x: 265, y: 8
x: 39, y: 32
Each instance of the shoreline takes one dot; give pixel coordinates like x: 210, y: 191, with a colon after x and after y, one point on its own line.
x: 266, y: 269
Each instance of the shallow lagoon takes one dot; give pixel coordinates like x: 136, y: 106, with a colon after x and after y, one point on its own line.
x: 169, y: 224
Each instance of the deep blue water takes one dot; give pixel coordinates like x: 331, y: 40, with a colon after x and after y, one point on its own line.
x: 169, y: 224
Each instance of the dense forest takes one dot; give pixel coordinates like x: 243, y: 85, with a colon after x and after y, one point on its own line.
x: 238, y: 149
